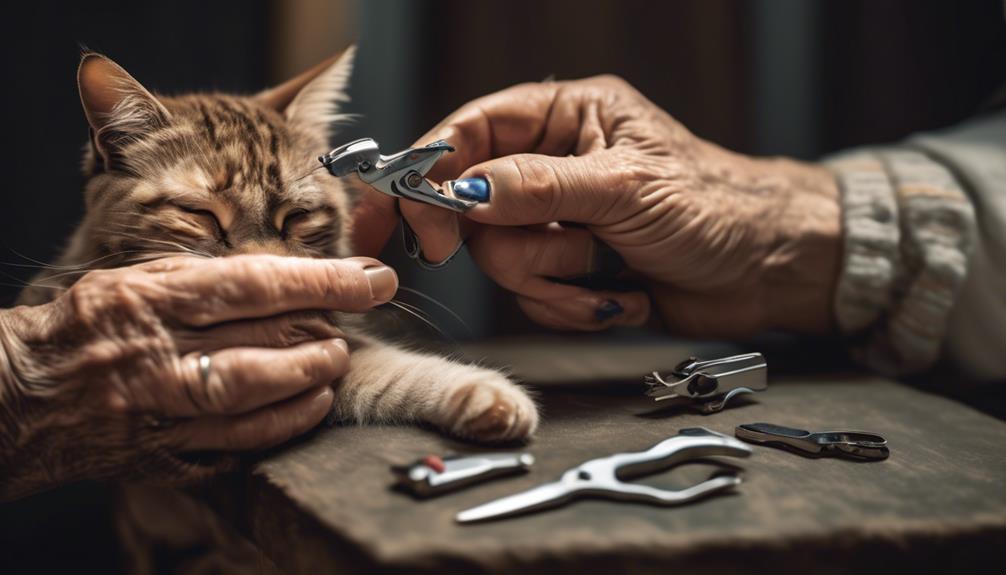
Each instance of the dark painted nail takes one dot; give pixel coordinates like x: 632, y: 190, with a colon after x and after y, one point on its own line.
x: 609, y: 309
x: 472, y: 189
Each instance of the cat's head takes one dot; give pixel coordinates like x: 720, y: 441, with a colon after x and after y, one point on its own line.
x: 214, y: 174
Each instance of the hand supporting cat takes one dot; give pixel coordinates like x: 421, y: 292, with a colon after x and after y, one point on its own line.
x: 106, y: 379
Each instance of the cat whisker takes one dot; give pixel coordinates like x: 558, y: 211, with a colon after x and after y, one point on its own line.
x: 38, y: 264
x: 304, y: 175
x: 19, y: 283
x: 405, y: 308
x: 415, y: 309
x: 439, y: 304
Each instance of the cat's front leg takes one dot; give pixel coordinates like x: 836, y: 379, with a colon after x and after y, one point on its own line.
x: 389, y: 384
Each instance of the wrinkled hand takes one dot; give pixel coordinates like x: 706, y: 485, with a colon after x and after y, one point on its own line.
x: 106, y: 380
x: 727, y: 244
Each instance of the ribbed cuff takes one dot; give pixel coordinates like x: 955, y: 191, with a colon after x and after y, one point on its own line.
x: 909, y: 231
x: 871, y: 239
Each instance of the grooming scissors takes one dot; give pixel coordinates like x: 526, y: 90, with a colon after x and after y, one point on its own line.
x: 602, y: 478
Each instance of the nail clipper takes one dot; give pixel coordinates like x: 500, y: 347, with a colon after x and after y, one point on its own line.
x: 400, y: 175
x: 850, y: 444
x: 708, y: 385
x: 433, y: 475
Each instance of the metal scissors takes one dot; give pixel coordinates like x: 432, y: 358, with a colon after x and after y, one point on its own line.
x: 851, y: 444
x: 602, y: 478
x: 710, y: 384
x: 400, y: 175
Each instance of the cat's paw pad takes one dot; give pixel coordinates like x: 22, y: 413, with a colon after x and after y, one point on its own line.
x: 488, y: 411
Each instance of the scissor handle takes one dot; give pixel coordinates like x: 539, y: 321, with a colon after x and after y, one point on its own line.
x: 690, y: 443
x: 648, y: 494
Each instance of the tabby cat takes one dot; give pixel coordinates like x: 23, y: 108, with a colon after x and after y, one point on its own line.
x: 218, y: 174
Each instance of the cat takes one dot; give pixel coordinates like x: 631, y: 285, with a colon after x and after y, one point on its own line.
x: 218, y: 174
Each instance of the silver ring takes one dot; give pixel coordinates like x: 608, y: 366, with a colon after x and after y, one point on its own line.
x: 205, y: 364
x: 415, y: 251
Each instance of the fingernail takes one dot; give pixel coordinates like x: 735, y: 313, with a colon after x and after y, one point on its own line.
x: 476, y: 189
x: 341, y: 344
x: 608, y: 309
x: 383, y: 282
x: 325, y: 396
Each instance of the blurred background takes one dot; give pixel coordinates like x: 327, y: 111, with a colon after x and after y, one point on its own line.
x: 792, y: 77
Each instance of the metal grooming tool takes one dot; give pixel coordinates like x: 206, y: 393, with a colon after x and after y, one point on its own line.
x: 401, y: 175
x: 432, y: 475
x: 708, y: 385
x: 850, y: 444
x: 602, y: 478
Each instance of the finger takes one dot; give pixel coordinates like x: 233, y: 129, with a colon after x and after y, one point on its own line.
x: 438, y: 230
x: 170, y: 264
x: 512, y: 256
x: 511, y: 121
x: 527, y: 261
x: 243, y: 379
x: 591, y: 311
x: 258, y: 429
x: 277, y: 331
x: 241, y: 287
x: 535, y: 189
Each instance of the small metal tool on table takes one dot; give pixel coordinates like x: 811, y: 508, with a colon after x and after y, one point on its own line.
x: 708, y: 385
x: 850, y: 444
x: 433, y: 475
x: 603, y: 477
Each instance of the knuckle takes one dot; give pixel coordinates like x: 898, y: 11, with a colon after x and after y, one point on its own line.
x: 105, y: 295
x: 540, y: 183
x: 304, y: 327
x: 613, y: 82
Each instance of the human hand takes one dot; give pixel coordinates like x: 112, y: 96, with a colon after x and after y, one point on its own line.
x: 111, y: 379
x: 727, y: 244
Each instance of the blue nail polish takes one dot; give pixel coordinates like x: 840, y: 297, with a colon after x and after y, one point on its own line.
x: 472, y: 189
x: 609, y: 309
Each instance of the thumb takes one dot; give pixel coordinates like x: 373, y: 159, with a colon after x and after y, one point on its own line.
x: 526, y: 189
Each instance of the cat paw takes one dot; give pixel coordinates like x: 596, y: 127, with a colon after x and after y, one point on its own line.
x: 492, y: 410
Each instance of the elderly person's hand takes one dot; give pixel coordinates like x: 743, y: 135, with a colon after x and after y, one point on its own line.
x: 136, y: 371
x: 726, y: 244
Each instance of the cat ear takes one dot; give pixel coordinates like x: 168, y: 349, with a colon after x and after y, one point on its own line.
x: 118, y: 108
x: 312, y: 100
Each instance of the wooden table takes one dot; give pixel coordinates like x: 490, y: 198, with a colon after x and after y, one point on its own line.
x: 939, y: 501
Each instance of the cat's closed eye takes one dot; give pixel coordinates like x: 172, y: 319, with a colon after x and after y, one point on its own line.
x: 292, y: 219
x: 207, y: 218
x: 314, y: 227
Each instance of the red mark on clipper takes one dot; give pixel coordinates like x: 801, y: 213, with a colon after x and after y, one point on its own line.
x: 435, y: 463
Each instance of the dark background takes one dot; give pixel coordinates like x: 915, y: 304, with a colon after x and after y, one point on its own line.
x: 764, y: 77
